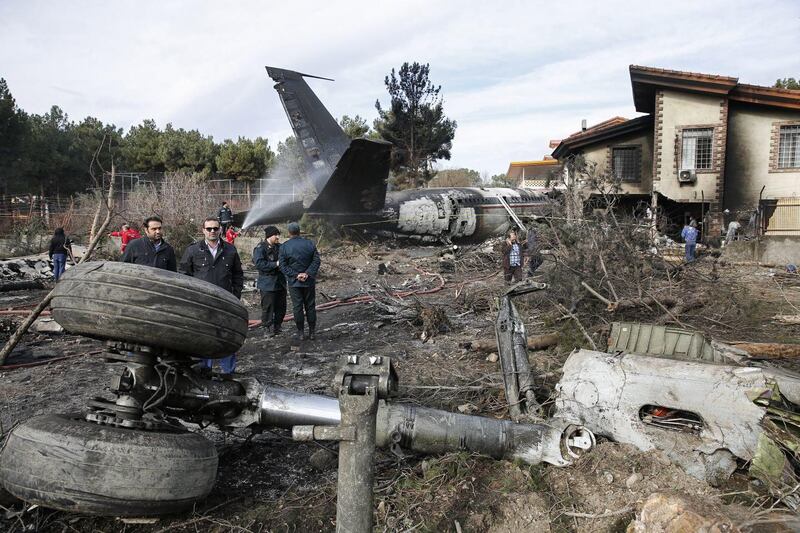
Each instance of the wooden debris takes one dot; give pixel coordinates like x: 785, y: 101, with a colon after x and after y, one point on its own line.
x: 535, y: 342
x: 787, y: 319
x: 768, y: 350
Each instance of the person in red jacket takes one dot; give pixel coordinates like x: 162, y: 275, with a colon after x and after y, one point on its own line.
x: 231, y: 234
x: 127, y: 234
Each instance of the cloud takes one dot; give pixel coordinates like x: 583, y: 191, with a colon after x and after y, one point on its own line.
x: 514, y: 74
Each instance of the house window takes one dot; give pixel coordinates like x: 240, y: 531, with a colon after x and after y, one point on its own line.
x: 696, y: 149
x: 789, y: 147
x: 626, y: 163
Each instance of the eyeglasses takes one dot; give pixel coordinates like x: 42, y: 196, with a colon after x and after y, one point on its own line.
x: 216, y: 228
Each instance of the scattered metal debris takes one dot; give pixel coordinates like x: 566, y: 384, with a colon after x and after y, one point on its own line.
x: 703, y: 416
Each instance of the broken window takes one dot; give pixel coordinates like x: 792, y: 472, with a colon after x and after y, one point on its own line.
x: 696, y: 149
x: 626, y: 163
x: 789, y: 147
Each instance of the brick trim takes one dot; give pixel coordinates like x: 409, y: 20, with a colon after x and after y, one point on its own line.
x: 721, y: 143
x: 715, y: 150
x: 774, y: 145
x: 658, y: 134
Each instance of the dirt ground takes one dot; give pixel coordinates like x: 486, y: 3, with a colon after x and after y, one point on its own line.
x: 267, y: 482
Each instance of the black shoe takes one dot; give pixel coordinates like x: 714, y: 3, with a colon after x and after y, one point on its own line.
x: 275, y: 332
x: 306, y: 336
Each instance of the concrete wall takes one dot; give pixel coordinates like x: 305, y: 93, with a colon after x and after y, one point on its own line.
x: 773, y: 250
x: 748, y: 167
x: 682, y: 110
x: 600, y: 155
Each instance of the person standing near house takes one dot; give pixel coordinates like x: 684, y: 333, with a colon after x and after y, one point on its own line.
x: 271, y: 281
x: 60, y: 247
x: 127, y: 234
x: 217, y: 262
x: 299, y: 261
x: 513, y: 257
x: 689, y: 235
x: 225, y: 217
x: 151, y: 250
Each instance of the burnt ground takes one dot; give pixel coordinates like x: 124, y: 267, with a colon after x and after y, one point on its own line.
x: 267, y: 482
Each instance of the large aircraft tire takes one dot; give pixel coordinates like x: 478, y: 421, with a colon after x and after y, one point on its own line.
x: 64, y: 462
x: 149, y: 306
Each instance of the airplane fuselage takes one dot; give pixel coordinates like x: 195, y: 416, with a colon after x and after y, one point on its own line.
x: 455, y: 214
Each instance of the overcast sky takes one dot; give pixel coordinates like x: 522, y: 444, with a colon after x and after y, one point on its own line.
x: 513, y: 74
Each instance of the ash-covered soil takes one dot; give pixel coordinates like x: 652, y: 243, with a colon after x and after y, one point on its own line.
x: 267, y: 482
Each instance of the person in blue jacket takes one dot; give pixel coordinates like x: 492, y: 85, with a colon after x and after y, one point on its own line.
x: 689, y: 235
x: 299, y: 261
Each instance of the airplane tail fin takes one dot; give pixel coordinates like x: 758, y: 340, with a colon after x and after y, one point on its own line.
x: 321, y: 140
x: 358, y: 184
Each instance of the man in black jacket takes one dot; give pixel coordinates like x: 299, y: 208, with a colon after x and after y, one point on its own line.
x: 271, y: 281
x: 299, y: 261
x: 217, y: 262
x: 151, y: 250
x: 225, y: 217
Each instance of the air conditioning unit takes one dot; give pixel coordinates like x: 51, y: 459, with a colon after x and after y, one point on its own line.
x: 687, y: 176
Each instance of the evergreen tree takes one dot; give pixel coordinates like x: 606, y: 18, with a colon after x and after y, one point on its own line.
x: 415, y: 124
x: 13, y: 133
x: 787, y: 83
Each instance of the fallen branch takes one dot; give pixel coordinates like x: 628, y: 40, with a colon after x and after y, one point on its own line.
x: 535, y: 342
x: 624, y: 510
x: 787, y: 319
x: 611, y: 305
x: 578, y: 323
x: 769, y: 350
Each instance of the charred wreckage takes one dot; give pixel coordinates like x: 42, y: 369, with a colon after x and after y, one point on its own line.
x: 132, y: 454
x: 704, y: 404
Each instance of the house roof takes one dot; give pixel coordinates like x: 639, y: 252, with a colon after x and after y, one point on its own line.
x: 613, y: 127
x: 758, y: 94
x: 538, y: 168
x: 645, y: 81
x: 614, y: 121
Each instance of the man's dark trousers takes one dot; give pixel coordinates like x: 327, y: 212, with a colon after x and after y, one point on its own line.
x: 273, y: 308
x: 304, y: 301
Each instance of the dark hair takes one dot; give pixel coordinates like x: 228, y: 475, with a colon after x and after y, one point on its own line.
x: 58, y: 232
x: 224, y: 203
x: 210, y: 219
x: 59, y: 241
x: 153, y: 218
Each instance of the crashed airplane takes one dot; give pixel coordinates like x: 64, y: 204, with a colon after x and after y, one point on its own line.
x: 351, y: 177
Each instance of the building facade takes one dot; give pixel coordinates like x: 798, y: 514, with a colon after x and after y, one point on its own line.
x: 707, y: 147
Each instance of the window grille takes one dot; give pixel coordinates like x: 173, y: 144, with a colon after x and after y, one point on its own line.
x: 626, y: 164
x: 789, y: 147
x: 696, y: 149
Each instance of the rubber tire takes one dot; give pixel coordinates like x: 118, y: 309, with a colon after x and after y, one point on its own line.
x: 64, y: 462
x: 150, y: 306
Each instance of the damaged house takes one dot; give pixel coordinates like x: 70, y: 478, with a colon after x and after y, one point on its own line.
x: 706, y: 144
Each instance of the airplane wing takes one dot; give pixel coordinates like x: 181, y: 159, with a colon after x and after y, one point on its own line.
x: 320, y: 138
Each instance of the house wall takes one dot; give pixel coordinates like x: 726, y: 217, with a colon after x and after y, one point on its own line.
x: 679, y: 110
x: 600, y: 155
x: 751, y: 150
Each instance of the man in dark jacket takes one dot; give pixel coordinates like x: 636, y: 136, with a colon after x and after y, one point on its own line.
x: 299, y: 260
x: 271, y: 281
x: 225, y: 217
x: 217, y: 262
x: 151, y: 250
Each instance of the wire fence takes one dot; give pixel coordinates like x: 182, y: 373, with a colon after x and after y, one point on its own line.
x: 51, y: 210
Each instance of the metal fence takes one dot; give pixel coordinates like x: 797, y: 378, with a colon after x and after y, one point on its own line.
x: 781, y: 216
